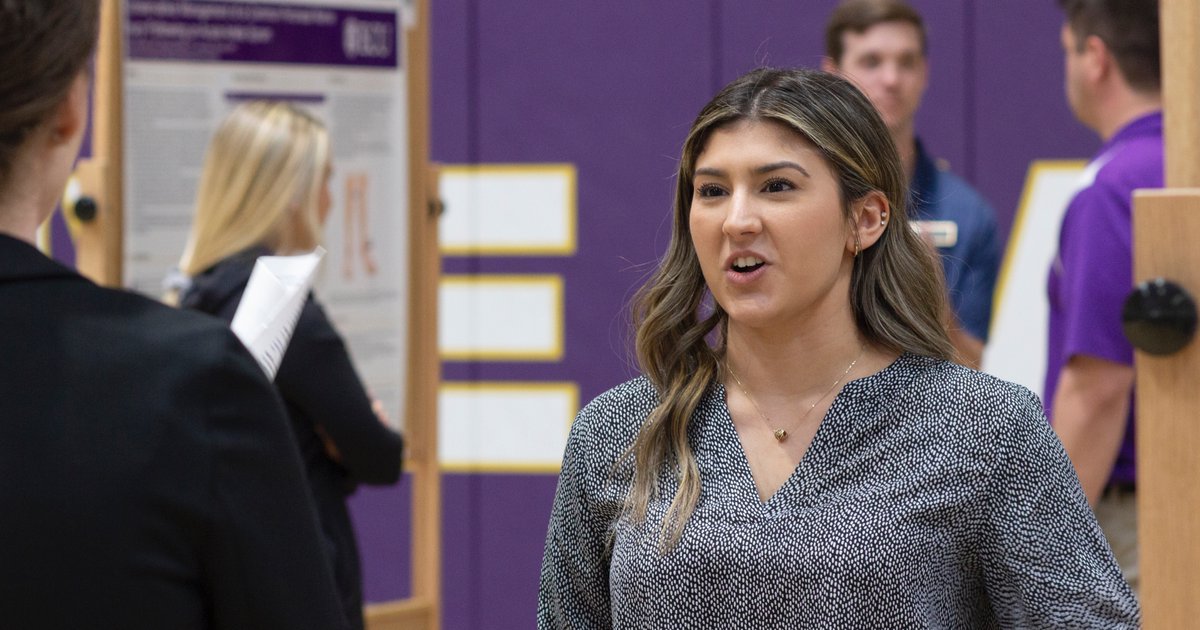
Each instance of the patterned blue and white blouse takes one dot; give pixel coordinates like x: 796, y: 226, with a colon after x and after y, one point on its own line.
x: 932, y: 496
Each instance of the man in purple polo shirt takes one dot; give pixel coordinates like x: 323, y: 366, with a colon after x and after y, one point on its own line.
x: 1111, y: 53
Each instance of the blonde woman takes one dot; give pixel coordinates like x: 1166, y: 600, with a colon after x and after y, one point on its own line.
x: 265, y: 190
x: 800, y: 453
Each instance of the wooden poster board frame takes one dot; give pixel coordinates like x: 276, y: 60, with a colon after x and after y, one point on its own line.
x: 1166, y: 224
x: 99, y: 257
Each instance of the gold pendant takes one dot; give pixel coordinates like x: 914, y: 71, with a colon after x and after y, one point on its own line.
x: 780, y: 435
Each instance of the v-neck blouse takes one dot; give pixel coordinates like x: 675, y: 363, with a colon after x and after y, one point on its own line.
x: 932, y: 496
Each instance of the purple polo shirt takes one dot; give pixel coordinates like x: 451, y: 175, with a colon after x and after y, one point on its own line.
x: 1093, y: 271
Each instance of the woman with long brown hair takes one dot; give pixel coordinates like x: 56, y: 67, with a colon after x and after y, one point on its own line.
x: 800, y: 451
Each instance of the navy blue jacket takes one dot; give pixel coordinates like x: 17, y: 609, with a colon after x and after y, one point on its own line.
x: 972, y: 264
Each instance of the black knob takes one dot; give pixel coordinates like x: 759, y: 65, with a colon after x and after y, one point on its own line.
x: 85, y: 208
x: 1159, y: 317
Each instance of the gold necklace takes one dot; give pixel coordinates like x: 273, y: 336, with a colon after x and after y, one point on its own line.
x: 781, y: 434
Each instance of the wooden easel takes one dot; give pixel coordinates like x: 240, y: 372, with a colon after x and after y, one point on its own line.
x: 422, y: 610
x: 1166, y: 227
x: 99, y: 256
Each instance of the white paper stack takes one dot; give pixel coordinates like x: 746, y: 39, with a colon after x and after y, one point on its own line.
x: 271, y: 305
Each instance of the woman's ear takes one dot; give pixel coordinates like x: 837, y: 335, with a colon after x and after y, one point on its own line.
x: 869, y: 216
x: 70, y: 117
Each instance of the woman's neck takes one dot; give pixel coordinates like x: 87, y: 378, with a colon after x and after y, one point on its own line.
x: 19, y: 216
x: 33, y: 187
x: 794, y: 363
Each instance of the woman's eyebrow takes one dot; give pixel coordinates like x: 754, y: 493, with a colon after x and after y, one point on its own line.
x: 775, y: 166
x: 766, y: 168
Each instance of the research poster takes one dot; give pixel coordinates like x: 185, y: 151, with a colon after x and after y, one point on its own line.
x: 187, y: 63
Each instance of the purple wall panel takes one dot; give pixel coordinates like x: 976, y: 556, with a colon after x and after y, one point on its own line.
x: 514, y: 511
x: 493, y: 530
x: 943, y: 117
x: 1021, y: 110
x: 451, y: 80
x: 383, y: 522
x: 460, y: 550
x: 779, y: 33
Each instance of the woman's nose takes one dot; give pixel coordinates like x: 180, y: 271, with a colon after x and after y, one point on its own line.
x: 743, y: 216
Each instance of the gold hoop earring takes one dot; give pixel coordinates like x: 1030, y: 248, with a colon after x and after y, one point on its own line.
x: 857, y: 245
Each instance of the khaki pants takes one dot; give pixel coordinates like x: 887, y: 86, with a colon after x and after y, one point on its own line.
x: 1117, y: 514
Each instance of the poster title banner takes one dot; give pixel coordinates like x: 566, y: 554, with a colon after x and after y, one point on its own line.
x: 197, y: 30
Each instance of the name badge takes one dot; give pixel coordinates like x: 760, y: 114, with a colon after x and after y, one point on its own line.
x: 941, y: 234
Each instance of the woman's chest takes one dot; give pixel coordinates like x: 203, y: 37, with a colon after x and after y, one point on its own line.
x: 863, y: 531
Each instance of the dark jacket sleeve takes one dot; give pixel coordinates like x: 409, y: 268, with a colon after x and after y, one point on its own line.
x: 262, y: 560
x: 317, y: 377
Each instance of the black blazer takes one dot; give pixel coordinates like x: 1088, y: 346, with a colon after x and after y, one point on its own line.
x: 149, y: 479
